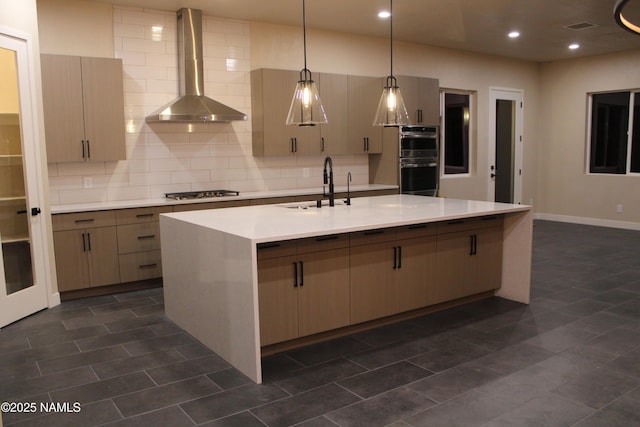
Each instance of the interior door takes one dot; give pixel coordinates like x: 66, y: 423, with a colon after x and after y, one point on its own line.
x: 22, y: 279
x: 505, y: 146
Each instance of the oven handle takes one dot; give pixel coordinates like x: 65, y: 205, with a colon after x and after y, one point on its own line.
x: 418, y: 165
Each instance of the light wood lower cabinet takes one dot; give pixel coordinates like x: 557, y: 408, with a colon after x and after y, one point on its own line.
x: 303, y: 288
x: 392, y: 271
x: 86, y: 258
x: 468, y: 261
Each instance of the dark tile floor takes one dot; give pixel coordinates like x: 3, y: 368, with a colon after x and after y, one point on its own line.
x: 571, y: 357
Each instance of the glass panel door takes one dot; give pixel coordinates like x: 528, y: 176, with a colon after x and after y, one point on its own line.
x: 14, y: 219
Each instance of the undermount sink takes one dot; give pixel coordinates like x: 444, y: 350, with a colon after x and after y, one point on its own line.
x: 311, y: 205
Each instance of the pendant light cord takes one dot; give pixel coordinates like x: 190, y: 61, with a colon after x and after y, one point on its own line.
x: 304, y: 33
x: 391, y: 34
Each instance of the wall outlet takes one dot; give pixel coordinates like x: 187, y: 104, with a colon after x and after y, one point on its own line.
x: 87, y: 182
x: 618, y: 208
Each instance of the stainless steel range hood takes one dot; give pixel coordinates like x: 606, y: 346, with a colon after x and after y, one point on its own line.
x: 192, y: 106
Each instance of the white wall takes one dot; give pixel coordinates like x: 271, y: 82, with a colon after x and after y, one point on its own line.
x: 566, y: 190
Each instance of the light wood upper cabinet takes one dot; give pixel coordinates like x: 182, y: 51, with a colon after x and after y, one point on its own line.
x: 363, y: 97
x: 335, y: 133
x: 422, y: 97
x: 271, y: 93
x: 83, y: 108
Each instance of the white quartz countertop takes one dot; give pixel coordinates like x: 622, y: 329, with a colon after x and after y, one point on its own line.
x: 248, y: 195
x: 298, y: 220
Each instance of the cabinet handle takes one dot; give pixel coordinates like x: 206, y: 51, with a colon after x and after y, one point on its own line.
x: 268, y: 245
x: 419, y: 116
x: 417, y: 227
x: 143, y: 266
x: 473, y: 240
x: 373, y: 232
x: 322, y: 144
x: 88, y: 149
x: 367, y: 143
x: 80, y: 221
x: 84, y: 244
x: 325, y: 238
x: 292, y: 149
x: 83, y: 150
x: 455, y: 221
x: 295, y: 274
x: 399, y: 257
x: 395, y: 257
x: 89, y: 241
x: 147, y: 215
x: 488, y: 218
x: 148, y: 236
x: 295, y: 145
x: 301, y: 273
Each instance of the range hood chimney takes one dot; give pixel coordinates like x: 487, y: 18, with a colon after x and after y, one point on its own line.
x: 192, y: 106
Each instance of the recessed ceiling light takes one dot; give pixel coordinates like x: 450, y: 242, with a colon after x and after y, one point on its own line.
x: 384, y: 14
x: 514, y: 34
x: 574, y: 46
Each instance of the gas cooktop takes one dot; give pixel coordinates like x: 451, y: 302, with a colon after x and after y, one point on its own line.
x: 185, y: 195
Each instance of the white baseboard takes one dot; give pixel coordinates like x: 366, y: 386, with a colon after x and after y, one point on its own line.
x: 54, y: 299
x: 588, y: 221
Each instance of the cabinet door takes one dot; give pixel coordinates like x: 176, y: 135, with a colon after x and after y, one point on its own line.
x: 277, y: 299
x: 102, y: 245
x: 410, y: 94
x: 103, y: 101
x: 363, y: 97
x: 488, y: 259
x: 416, y: 273
x: 428, y: 102
x: 271, y: 93
x: 71, y: 259
x: 455, y: 273
x: 334, y: 134
x: 323, y: 294
x: 372, y: 275
x: 63, y: 107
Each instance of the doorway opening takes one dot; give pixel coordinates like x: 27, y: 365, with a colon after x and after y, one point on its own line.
x: 505, y: 146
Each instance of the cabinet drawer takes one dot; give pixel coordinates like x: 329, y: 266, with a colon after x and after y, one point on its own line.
x: 138, y: 237
x: 323, y: 243
x: 140, y: 215
x: 416, y: 230
x: 372, y: 236
x: 270, y: 250
x: 76, y: 221
x: 466, y: 224
x: 140, y: 266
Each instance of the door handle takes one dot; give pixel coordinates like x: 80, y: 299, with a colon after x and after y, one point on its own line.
x: 35, y: 211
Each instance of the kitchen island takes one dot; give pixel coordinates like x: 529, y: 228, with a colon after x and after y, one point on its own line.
x: 211, y: 259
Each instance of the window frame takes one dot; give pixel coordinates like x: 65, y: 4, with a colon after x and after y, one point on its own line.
x: 446, y: 171
x: 627, y: 146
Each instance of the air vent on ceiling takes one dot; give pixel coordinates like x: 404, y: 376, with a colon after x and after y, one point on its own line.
x: 580, y: 26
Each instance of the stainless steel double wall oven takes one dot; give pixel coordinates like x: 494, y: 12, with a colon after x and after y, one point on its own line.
x: 419, y: 162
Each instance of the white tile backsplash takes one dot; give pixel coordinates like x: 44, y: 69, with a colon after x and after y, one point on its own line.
x: 165, y: 158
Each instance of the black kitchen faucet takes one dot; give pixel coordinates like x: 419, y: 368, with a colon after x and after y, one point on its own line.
x: 328, y: 179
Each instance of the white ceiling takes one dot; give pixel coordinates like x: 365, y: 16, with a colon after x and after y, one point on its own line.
x: 472, y: 25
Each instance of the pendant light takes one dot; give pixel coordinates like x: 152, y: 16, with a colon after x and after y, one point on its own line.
x: 391, y: 109
x: 306, y: 108
x: 625, y: 21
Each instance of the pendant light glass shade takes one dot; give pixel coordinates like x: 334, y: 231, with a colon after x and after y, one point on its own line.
x: 306, y: 107
x: 391, y: 109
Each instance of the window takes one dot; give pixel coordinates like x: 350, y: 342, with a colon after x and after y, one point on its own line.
x: 455, y: 134
x: 615, y: 133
